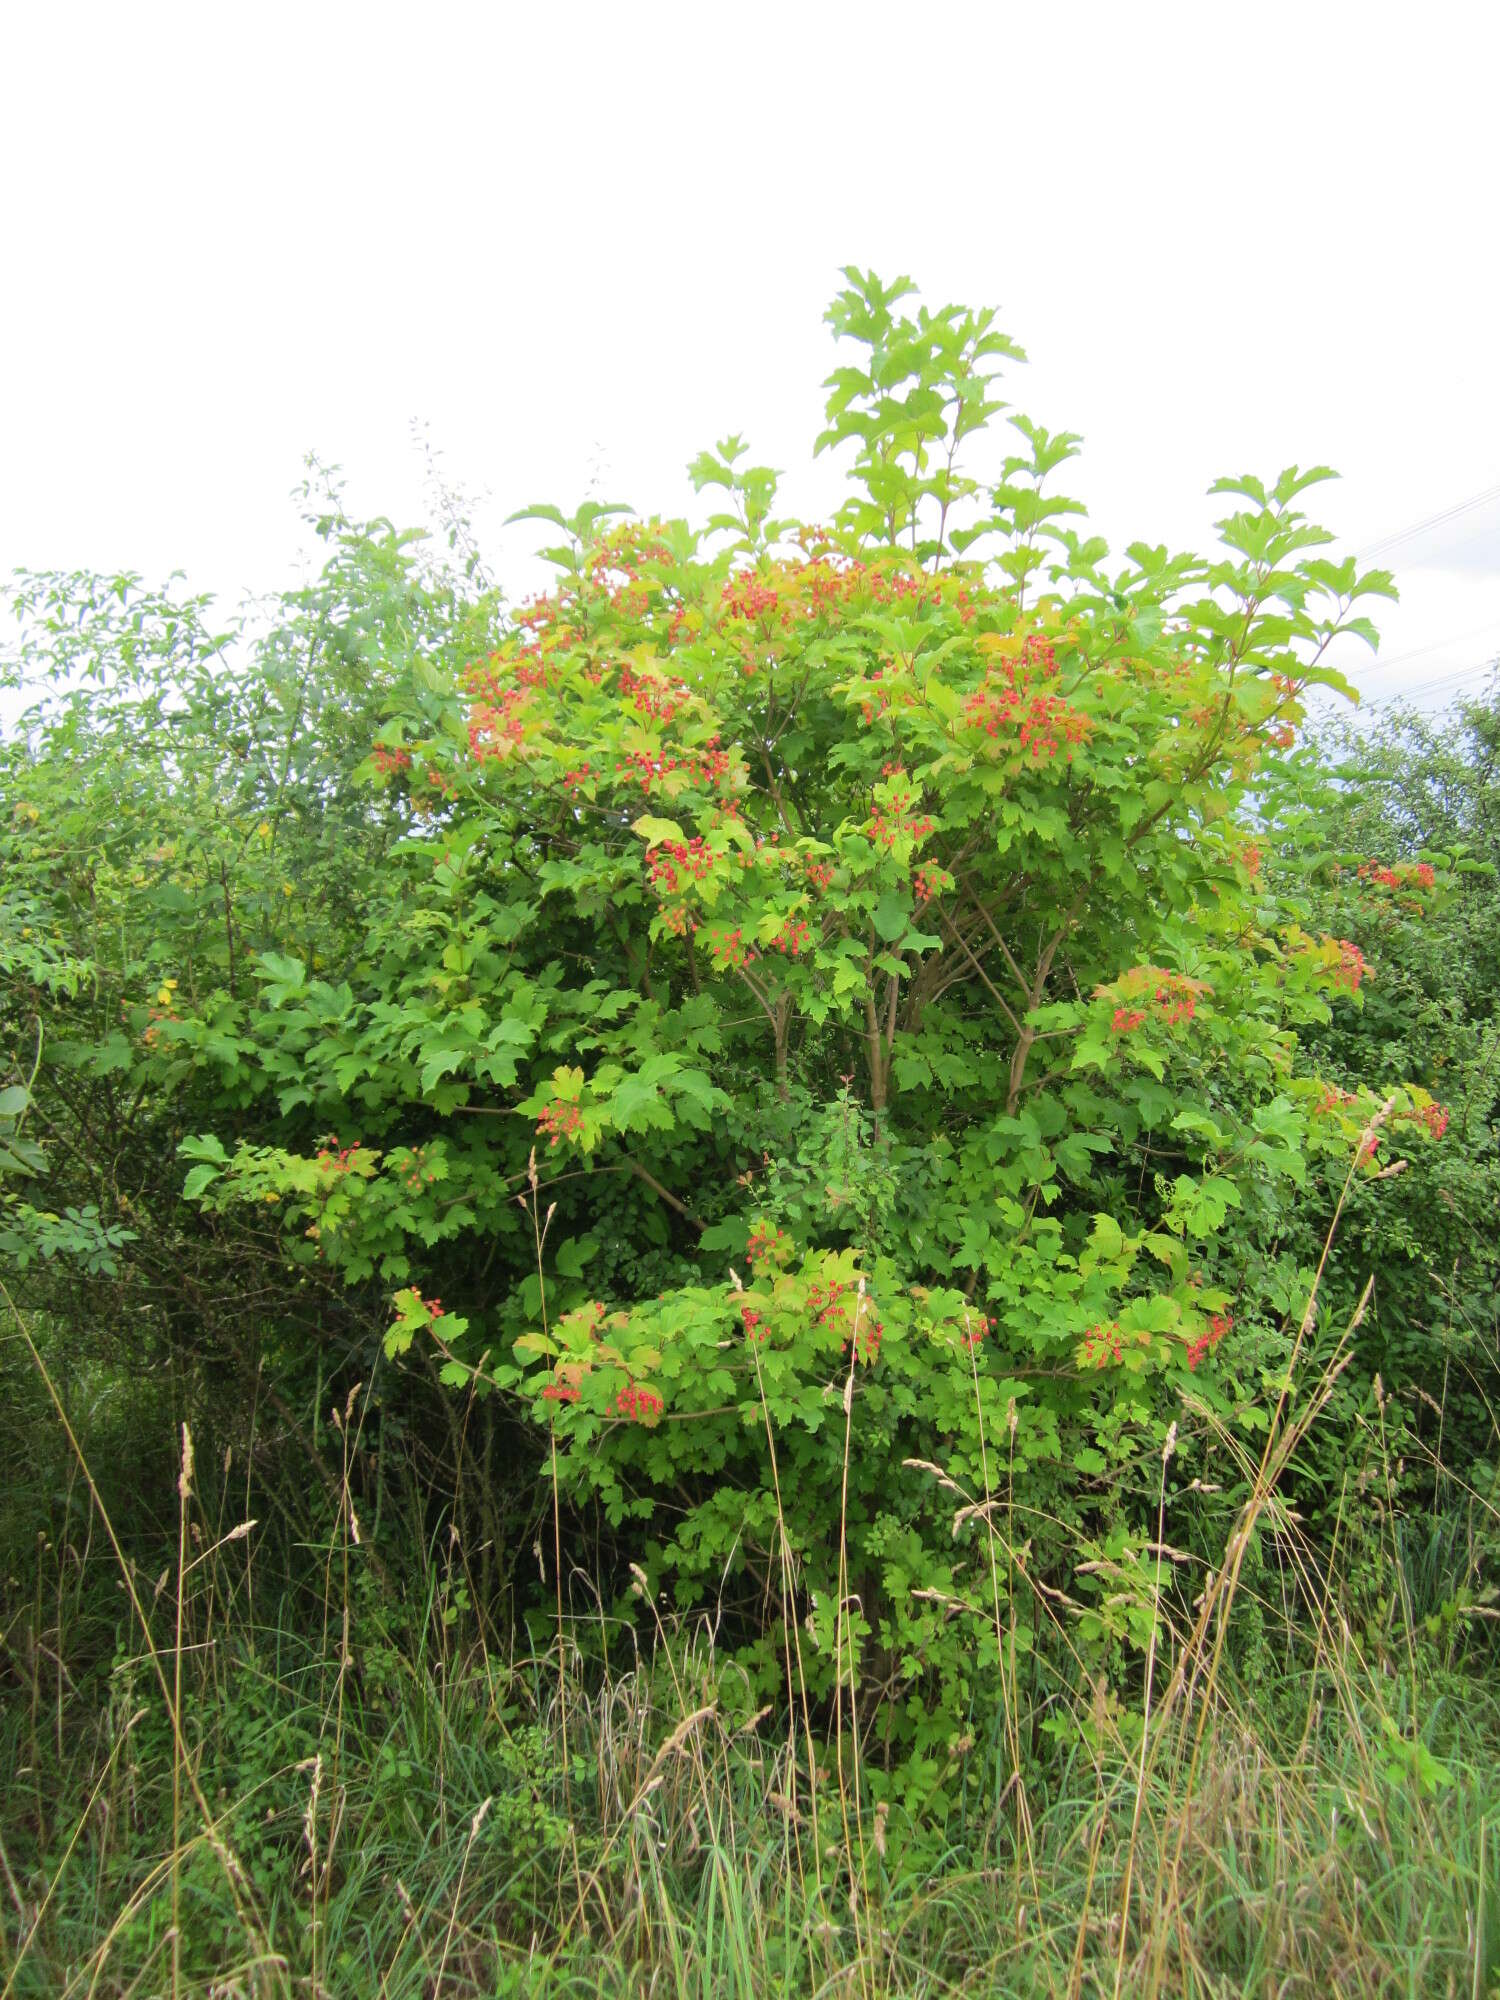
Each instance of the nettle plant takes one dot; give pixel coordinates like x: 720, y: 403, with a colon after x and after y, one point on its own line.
x: 858, y: 940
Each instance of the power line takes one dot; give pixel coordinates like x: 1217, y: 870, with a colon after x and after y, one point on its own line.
x: 1438, y: 520
x: 1439, y: 684
x: 1451, y: 679
x: 1447, y: 678
x: 1437, y: 645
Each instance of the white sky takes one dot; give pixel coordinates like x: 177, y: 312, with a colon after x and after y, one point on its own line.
x: 584, y: 241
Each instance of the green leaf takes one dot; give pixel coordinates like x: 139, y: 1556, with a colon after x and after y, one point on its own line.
x: 891, y: 915
x: 573, y: 1255
x: 290, y: 973
x: 655, y: 831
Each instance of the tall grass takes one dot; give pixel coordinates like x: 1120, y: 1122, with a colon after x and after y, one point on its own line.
x: 1296, y: 1860
x: 255, y: 1770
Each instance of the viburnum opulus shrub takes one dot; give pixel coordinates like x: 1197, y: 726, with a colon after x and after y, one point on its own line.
x: 833, y: 1046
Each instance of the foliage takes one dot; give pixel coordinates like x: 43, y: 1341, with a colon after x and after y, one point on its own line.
x: 849, y: 1120
x: 1407, y: 799
x: 415, y: 1815
x: 863, y: 926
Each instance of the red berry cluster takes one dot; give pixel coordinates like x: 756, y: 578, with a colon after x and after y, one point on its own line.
x: 539, y: 614
x: 899, y: 586
x: 753, y: 1324
x: 1332, y: 1099
x: 818, y: 583
x: 638, y: 1406
x: 1351, y: 967
x: 496, y: 728
x: 745, y: 596
x: 888, y: 824
x: 560, y: 1392
x: 387, y: 761
x: 767, y: 1244
x: 493, y: 680
x: 976, y: 1326
x: 823, y: 1304
x: 820, y: 873
x: 659, y: 700
x: 878, y: 700
x: 1405, y: 875
x: 417, y: 1174
x: 153, y: 1037
x: 708, y: 766
x: 692, y: 858
x: 620, y: 556
x: 1044, y: 724
x: 580, y: 775
x: 1048, y: 724
x: 927, y: 882
x: 338, y: 1162
x: 793, y: 940
x: 866, y: 1338
x: 1174, y: 998
x: 1177, y: 1000
x: 630, y: 600
x: 625, y: 548
x: 728, y: 948
x: 1218, y: 1325
x: 1433, y: 1116
x: 559, y: 1121
x: 1038, y: 662
x: 822, y: 584
x: 1101, y: 1344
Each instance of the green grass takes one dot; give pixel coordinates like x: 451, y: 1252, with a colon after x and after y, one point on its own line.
x: 369, y: 1794
x: 407, y: 1827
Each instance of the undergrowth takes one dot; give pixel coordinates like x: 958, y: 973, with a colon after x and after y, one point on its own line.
x: 374, y: 1796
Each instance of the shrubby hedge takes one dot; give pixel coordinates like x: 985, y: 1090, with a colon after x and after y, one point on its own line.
x: 840, y: 1045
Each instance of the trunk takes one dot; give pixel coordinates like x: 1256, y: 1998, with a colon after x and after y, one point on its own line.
x: 1018, y: 1064
x: 781, y: 1022
x: 876, y: 1058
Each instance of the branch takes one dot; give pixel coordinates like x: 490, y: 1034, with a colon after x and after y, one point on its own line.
x: 641, y: 1173
x: 1001, y: 1002
x: 1021, y: 980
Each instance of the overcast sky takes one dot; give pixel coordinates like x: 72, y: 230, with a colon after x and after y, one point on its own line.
x: 580, y: 242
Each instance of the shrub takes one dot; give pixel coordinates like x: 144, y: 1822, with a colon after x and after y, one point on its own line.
x: 795, y: 1018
